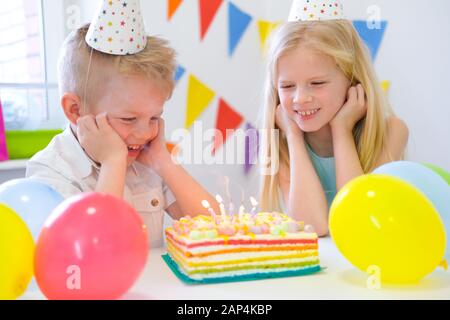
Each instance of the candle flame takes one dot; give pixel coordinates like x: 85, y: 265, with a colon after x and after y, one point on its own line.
x: 205, y: 204
x: 219, y: 198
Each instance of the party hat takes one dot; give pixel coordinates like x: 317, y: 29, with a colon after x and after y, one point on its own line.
x: 117, y: 28
x: 316, y: 10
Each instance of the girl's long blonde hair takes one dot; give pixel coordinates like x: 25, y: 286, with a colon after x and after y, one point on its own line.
x: 339, y: 40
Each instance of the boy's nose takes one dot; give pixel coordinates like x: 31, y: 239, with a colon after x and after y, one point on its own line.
x: 145, y: 132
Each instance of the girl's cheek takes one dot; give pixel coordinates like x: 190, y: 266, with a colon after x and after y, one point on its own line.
x: 285, y: 100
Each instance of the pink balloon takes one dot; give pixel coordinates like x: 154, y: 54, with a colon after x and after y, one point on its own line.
x: 93, y: 246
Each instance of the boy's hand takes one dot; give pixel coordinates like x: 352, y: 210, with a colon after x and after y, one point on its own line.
x: 100, y: 140
x: 284, y: 118
x: 155, y: 153
x: 354, y: 109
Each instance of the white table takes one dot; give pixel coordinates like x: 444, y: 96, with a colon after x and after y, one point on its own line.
x: 338, y: 281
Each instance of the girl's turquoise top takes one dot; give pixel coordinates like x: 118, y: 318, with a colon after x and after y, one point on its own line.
x: 326, y: 171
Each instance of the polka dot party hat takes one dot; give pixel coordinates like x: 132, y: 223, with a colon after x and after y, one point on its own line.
x: 117, y: 28
x: 316, y: 10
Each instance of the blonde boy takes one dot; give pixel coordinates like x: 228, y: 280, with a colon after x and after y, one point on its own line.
x: 115, y: 141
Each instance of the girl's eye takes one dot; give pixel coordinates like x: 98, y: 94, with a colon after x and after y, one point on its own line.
x: 286, y: 86
x: 318, y: 83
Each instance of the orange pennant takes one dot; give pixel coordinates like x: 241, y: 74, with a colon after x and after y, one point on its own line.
x: 172, y: 6
x: 227, y: 118
x: 208, y: 10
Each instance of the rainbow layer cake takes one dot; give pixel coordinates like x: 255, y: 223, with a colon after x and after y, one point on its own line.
x: 241, y: 247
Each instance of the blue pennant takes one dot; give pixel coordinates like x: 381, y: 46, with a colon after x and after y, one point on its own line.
x: 179, y: 73
x: 238, y: 22
x: 372, y: 37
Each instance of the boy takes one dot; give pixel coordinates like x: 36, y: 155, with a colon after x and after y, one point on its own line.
x: 115, y: 141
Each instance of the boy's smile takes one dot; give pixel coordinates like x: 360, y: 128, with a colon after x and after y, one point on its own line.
x: 134, y: 105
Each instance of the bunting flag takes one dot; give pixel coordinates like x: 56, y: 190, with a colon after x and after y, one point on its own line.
x: 179, y: 73
x: 198, y: 99
x: 265, y: 29
x: 238, y: 22
x: 173, y: 148
x: 385, y: 85
x: 172, y: 7
x: 251, y: 147
x: 227, y: 118
x: 208, y: 10
x: 372, y: 37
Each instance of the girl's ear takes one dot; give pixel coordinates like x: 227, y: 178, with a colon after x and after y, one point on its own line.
x: 71, y: 105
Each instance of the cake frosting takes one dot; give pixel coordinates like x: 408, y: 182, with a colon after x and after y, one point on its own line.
x: 265, y: 244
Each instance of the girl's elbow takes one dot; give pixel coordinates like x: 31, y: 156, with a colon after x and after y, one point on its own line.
x: 322, y: 232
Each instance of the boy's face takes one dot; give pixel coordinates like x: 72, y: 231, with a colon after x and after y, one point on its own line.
x: 311, y: 82
x: 133, y: 105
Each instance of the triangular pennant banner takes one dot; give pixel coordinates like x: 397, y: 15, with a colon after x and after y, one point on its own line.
x: 238, y: 22
x: 265, y: 29
x: 227, y: 118
x: 373, y: 36
x: 198, y: 99
x: 172, y: 7
x: 208, y: 10
x: 251, y: 147
x: 179, y: 73
x: 385, y: 85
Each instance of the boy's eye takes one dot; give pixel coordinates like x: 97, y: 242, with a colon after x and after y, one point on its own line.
x: 318, y: 83
x: 128, y: 119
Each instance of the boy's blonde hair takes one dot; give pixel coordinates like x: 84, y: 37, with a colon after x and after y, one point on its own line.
x: 339, y: 40
x: 85, y: 71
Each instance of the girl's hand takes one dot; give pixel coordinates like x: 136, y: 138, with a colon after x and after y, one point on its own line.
x: 100, y: 141
x: 284, y: 118
x: 354, y: 109
x: 155, y: 153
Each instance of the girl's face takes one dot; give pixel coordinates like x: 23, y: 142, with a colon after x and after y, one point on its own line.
x: 311, y: 85
x: 134, y: 105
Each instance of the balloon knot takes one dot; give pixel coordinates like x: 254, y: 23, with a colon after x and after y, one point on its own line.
x: 444, y: 265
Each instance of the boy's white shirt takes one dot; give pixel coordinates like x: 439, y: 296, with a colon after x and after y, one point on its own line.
x: 65, y: 166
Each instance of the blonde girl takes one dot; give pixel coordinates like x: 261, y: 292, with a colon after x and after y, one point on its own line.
x: 335, y: 124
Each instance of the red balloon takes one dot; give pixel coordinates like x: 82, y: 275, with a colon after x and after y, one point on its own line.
x: 93, y: 246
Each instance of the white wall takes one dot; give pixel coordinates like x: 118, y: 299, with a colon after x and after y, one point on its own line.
x: 414, y: 57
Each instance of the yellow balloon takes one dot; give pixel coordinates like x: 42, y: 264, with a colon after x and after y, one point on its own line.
x: 385, y: 224
x: 16, y: 254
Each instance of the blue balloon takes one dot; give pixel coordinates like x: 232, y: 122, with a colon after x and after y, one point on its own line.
x: 32, y: 200
x: 433, y: 186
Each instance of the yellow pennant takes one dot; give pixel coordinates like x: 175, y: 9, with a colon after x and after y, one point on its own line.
x: 198, y: 99
x: 385, y: 85
x: 265, y: 29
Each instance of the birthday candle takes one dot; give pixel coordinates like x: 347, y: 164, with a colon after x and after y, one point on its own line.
x: 206, y: 205
x: 254, y: 204
x: 221, y: 206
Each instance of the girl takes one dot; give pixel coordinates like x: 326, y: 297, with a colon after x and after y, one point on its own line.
x: 323, y: 94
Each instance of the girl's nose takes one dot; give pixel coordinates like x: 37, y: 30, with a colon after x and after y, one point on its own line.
x: 302, y: 96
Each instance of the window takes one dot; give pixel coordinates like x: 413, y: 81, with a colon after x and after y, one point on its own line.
x: 25, y: 89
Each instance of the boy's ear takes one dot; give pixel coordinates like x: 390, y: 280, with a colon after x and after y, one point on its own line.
x: 71, y: 105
